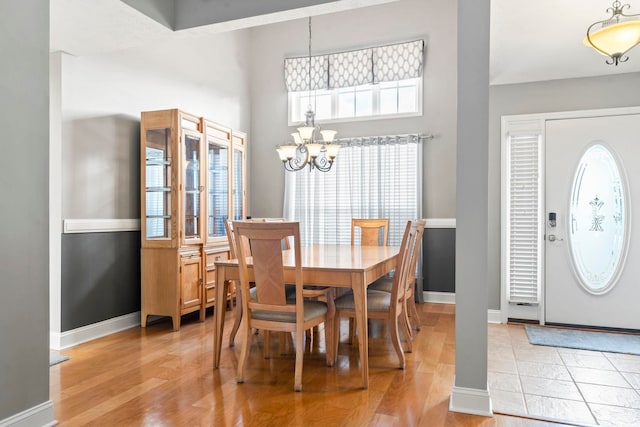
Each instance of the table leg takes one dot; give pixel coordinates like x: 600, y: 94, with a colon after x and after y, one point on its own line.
x: 360, y: 303
x: 218, y: 312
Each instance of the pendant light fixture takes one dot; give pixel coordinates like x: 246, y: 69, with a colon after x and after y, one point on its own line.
x: 616, y: 35
x: 306, y: 149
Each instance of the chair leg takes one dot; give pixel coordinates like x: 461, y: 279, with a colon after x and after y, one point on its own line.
x: 406, y: 330
x: 297, y: 379
x: 237, y: 312
x: 414, y: 314
x: 267, y: 344
x: 395, y: 339
x: 329, y: 341
x: 244, y: 353
x: 336, y: 338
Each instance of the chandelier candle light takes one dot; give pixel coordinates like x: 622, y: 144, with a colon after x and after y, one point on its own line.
x: 306, y: 149
x: 616, y: 35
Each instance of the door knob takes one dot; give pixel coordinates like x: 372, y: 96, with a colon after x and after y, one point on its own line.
x: 553, y: 238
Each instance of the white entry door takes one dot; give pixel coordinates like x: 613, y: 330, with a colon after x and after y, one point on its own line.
x: 592, y: 246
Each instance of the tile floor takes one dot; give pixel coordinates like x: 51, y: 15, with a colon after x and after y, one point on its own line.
x: 579, y: 386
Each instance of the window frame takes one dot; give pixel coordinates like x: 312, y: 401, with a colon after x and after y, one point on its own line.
x: 293, y: 98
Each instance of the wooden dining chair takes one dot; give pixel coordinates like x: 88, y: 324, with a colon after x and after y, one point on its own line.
x: 237, y: 312
x: 385, y: 305
x: 385, y: 284
x: 370, y: 231
x: 270, y: 310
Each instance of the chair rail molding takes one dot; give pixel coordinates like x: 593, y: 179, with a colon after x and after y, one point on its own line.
x: 100, y: 225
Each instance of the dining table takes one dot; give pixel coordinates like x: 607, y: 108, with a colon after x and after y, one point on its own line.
x: 339, y: 266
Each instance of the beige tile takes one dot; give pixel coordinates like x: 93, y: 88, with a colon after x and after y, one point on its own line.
x: 595, y: 361
x: 633, y: 379
x: 503, y: 381
x: 606, y: 395
x: 538, y: 354
x: 550, y: 388
x: 615, y: 415
x: 502, y: 365
x: 623, y: 356
x: 598, y: 376
x: 560, y: 409
x: 625, y: 364
x: 508, y: 402
x: 592, y: 353
x: 543, y: 370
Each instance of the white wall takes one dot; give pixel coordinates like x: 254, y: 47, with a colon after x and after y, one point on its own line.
x: 558, y: 95
x: 432, y: 20
x: 102, y: 97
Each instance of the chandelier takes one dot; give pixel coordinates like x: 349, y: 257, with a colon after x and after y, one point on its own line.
x: 306, y: 149
x: 616, y: 35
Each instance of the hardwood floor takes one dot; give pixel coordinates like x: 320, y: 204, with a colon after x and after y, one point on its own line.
x: 155, y: 377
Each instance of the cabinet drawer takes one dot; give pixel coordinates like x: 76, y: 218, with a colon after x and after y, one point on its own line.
x: 210, y: 293
x: 216, y: 256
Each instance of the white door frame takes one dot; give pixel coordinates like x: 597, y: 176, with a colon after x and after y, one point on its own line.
x: 536, y: 123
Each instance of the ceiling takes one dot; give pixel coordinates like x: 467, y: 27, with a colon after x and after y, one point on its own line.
x: 530, y: 40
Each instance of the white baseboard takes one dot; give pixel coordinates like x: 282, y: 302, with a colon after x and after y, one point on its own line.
x: 439, y: 297
x: 494, y: 316
x: 39, y: 415
x: 470, y: 401
x: 59, y: 341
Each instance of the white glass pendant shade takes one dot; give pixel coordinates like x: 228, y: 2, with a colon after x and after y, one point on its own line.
x: 328, y: 136
x: 615, y: 39
x: 286, y: 152
x: 296, y: 138
x: 332, y: 150
x: 306, y: 132
x: 314, y: 149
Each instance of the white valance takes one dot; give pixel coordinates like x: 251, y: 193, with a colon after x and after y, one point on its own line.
x: 357, y: 67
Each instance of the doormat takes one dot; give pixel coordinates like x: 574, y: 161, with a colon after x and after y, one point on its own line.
x: 584, y: 340
x: 54, y: 359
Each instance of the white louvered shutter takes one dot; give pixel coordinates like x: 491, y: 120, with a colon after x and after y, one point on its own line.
x: 524, y: 216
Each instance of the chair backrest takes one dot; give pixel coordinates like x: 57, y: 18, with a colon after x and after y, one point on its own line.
x: 415, y: 254
x: 370, y: 231
x: 404, y: 261
x: 233, y: 247
x: 264, y: 245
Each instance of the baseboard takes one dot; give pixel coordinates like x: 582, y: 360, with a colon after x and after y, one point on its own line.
x: 59, y: 341
x: 470, y: 401
x: 439, y: 297
x: 494, y: 316
x: 39, y: 415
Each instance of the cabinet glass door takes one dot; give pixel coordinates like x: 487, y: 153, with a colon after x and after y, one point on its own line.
x: 158, y: 184
x: 217, y: 188
x: 192, y: 186
x: 238, y: 178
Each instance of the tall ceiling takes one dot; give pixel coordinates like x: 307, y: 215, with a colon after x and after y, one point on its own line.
x: 530, y: 40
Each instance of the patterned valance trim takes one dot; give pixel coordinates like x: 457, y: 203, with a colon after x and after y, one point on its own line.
x: 412, y: 138
x: 356, y: 67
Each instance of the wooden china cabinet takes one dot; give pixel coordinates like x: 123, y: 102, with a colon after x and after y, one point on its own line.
x: 192, y: 180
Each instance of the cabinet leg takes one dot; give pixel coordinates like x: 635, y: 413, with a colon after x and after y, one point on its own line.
x: 143, y: 319
x: 175, y: 321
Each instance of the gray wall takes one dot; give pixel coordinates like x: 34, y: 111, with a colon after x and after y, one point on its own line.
x: 100, y: 277
x: 24, y: 198
x: 432, y: 20
x: 101, y: 97
x: 558, y: 95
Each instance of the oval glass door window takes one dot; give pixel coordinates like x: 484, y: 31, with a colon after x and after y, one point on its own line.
x: 598, y: 220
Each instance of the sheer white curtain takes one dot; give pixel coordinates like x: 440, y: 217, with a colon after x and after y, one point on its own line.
x: 373, y: 177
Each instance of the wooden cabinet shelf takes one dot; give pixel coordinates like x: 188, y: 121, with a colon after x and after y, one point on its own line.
x: 192, y: 180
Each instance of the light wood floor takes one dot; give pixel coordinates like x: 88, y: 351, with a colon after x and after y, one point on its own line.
x: 156, y: 377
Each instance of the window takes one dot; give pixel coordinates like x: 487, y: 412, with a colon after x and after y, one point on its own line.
x: 377, y: 177
x: 364, y: 83
x: 395, y: 98
x: 522, y: 214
